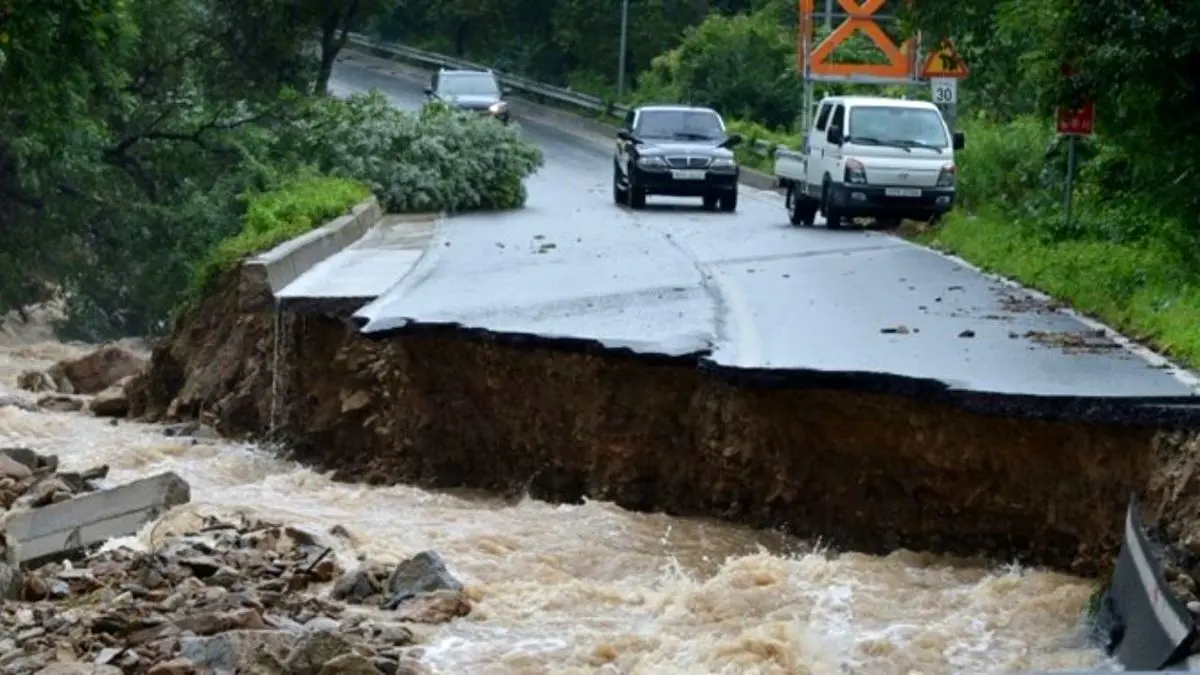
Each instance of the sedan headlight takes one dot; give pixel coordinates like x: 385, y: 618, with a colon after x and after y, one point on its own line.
x: 724, y: 163
x: 498, y: 108
x: 651, y: 162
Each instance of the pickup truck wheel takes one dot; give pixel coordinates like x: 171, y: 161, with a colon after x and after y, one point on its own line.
x: 728, y: 201
x: 833, y: 215
x: 620, y: 196
x: 801, y: 210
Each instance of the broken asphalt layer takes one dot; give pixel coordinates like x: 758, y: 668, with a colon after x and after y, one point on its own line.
x: 748, y: 297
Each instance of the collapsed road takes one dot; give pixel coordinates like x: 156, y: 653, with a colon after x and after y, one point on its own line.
x: 834, y: 362
x: 607, y: 399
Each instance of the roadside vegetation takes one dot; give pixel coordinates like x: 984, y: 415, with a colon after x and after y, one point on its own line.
x: 1129, y: 254
x: 145, y: 144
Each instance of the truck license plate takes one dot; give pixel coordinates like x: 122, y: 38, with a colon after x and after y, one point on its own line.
x: 902, y: 192
x: 687, y: 175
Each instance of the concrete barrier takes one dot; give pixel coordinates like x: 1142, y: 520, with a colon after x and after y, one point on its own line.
x: 1144, y: 625
x: 285, y: 263
x: 65, y: 529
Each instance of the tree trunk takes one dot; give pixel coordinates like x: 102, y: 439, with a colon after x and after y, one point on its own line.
x: 335, y: 32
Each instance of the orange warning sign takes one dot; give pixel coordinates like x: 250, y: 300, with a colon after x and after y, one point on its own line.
x: 945, y: 62
x: 862, y: 20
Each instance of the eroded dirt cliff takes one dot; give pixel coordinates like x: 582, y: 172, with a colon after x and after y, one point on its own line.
x: 871, y: 472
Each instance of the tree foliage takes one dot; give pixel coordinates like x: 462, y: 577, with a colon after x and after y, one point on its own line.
x: 438, y: 160
x: 133, y: 130
x: 1135, y: 58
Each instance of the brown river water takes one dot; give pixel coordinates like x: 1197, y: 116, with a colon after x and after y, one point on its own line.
x: 596, y: 589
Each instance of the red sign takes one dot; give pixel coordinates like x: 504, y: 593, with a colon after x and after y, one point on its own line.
x: 1077, y: 121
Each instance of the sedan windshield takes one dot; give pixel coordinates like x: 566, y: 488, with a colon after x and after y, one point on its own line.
x: 698, y: 125
x: 894, y: 125
x: 481, y: 84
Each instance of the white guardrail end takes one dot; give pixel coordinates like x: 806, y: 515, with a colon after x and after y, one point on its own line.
x: 526, y: 86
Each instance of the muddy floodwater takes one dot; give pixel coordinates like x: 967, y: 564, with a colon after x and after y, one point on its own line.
x: 597, y: 589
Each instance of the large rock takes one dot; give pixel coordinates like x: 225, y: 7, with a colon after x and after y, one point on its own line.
x: 423, y: 573
x: 61, y: 403
x: 101, y: 369
x: 435, y: 607
x: 113, y: 401
x: 243, y: 651
x: 11, y: 468
x: 314, y: 650
x: 11, y: 582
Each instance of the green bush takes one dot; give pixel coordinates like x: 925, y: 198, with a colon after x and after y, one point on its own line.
x: 1147, y: 290
x: 438, y: 160
x: 1117, y: 260
x: 274, y: 217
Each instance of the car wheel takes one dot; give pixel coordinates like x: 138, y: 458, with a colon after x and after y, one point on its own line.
x: 620, y: 195
x: 710, y: 202
x: 801, y: 210
x: 635, y: 195
x: 729, y: 201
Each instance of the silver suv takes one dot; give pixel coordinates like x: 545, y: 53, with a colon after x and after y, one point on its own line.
x: 475, y: 90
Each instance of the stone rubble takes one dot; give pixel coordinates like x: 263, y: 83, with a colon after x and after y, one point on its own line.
x: 96, y: 381
x: 238, y: 595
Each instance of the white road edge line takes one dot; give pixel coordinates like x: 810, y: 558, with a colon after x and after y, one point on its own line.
x: 1184, y: 376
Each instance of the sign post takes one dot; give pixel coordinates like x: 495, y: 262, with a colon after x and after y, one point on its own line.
x: 944, y: 68
x: 1074, y: 123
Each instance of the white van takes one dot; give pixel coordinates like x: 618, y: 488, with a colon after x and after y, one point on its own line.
x: 867, y: 156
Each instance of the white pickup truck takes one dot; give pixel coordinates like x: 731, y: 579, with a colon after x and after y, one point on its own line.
x: 870, y: 157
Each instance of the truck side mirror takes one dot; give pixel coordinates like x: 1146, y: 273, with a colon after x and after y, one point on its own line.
x: 960, y: 140
x: 835, y: 135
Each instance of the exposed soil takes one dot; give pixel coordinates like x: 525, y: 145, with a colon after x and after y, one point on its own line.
x: 866, y: 471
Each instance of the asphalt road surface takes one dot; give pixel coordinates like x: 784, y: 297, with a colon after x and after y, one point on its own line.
x: 748, y: 288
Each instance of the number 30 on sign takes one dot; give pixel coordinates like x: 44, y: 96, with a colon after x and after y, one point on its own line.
x: 945, y: 90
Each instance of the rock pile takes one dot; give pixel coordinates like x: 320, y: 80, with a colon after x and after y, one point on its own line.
x: 32, y: 480
x: 227, y: 596
x: 97, y: 381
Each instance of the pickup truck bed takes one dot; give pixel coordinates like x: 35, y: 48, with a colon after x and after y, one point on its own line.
x: 790, y: 166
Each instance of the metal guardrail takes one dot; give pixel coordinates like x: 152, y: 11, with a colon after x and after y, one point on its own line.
x: 522, y: 85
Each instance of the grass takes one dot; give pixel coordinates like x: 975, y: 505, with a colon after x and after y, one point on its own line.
x: 274, y: 217
x: 1145, y: 290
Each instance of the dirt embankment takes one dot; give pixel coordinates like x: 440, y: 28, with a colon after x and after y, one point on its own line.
x: 866, y: 471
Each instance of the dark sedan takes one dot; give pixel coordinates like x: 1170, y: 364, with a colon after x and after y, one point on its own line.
x: 678, y: 151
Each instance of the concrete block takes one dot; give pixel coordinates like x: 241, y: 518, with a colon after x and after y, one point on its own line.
x: 285, y: 263
x: 57, y: 531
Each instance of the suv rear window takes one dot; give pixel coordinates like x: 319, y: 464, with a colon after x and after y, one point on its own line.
x: 468, y: 84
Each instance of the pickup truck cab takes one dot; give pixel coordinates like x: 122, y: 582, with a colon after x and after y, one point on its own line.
x: 873, y: 157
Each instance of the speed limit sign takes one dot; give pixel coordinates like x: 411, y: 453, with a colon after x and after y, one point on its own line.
x: 945, y: 90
